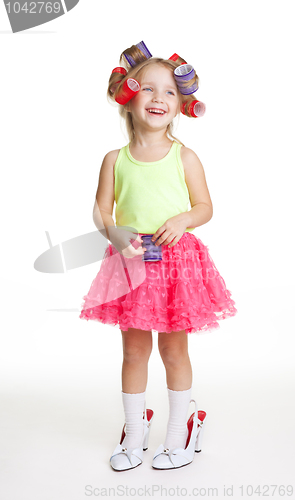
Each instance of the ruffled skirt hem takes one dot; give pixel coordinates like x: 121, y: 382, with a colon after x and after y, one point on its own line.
x: 194, y: 299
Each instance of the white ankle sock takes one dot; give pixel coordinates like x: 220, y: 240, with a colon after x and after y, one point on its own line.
x: 133, y: 408
x: 177, y: 423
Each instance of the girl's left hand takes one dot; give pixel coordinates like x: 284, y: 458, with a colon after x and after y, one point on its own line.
x: 171, y: 231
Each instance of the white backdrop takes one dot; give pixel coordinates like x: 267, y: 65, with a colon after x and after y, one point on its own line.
x: 60, y: 385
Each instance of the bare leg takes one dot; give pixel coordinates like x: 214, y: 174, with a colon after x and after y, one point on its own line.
x: 173, y: 349
x: 137, y: 348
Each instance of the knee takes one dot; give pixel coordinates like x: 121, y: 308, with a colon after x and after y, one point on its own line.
x: 136, y: 353
x: 173, y: 355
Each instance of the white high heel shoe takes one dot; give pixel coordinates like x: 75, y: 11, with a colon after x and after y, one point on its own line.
x: 129, y: 458
x: 178, y: 457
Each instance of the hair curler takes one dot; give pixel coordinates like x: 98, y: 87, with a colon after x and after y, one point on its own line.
x: 119, y: 74
x: 143, y: 49
x: 121, y: 70
x: 189, y: 90
x: 129, y: 88
x: 194, y: 109
x: 175, y: 57
x: 153, y: 252
x: 184, y: 73
x: 186, y: 79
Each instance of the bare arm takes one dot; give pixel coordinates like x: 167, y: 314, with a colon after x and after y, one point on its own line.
x: 103, y: 210
x: 105, y: 195
x: 202, y: 208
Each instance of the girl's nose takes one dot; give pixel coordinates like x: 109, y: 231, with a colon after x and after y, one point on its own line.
x: 157, y: 98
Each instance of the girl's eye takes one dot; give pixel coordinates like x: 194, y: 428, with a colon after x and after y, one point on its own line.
x: 147, y: 88
x: 170, y: 92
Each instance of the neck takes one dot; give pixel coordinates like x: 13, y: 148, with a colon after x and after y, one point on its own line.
x: 148, y: 139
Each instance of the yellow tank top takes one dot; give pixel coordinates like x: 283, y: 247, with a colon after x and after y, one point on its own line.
x: 149, y: 193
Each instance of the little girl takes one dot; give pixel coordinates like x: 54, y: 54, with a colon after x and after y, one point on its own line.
x: 152, y: 179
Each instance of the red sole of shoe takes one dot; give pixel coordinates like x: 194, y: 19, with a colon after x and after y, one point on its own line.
x: 149, y: 414
x: 201, y: 416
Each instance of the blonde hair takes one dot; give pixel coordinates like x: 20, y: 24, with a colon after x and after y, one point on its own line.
x: 117, y: 80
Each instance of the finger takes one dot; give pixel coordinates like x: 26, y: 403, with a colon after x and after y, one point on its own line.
x: 169, y: 241
x: 173, y: 243
x: 162, y: 240
x: 160, y: 236
x: 137, y: 251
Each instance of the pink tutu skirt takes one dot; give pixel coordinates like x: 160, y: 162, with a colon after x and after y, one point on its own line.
x: 183, y: 291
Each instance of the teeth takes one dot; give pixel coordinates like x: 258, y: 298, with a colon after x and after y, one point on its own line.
x: 156, y: 111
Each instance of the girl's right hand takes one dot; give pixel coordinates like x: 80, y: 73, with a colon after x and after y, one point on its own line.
x: 120, y: 238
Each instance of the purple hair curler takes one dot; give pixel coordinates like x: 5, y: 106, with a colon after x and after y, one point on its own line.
x: 189, y: 90
x: 153, y: 252
x: 143, y: 48
x: 130, y: 60
x: 183, y: 74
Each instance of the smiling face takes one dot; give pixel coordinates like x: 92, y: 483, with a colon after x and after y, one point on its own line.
x: 157, y: 102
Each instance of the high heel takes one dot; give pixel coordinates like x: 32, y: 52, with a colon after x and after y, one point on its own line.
x: 129, y: 458
x: 202, y: 423
x: 178, y: 457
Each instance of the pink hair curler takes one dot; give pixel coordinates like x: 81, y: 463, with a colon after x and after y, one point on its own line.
x: 174, y: 57
x: 121, y: 70
x: 113, y: 87
x: 129, y: 88
x: 196, y: 109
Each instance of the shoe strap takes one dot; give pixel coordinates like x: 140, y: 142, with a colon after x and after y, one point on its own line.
x: 145, y: 414
x: 131, y: 451
x: 196, y: 409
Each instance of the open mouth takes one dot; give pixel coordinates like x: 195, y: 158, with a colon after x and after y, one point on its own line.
x: 156, y: 111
